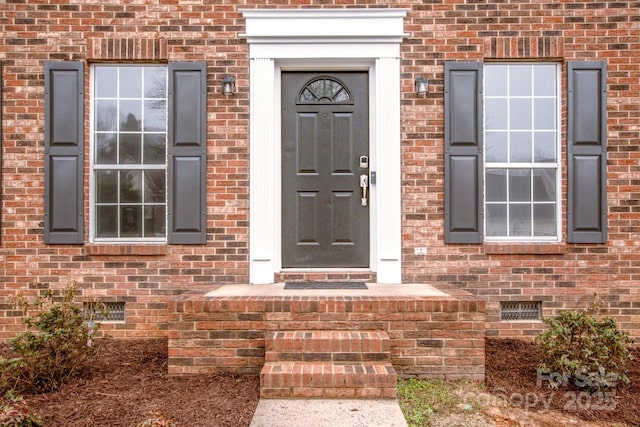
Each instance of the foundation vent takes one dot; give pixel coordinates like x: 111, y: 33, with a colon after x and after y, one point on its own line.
x: 521, y: 310
x: 105, y: 311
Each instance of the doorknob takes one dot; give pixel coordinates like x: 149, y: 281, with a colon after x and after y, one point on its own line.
x: 364, y: 184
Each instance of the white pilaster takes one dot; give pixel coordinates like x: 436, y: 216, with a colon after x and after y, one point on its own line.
x: 387, y: 125
x: 262, y: 146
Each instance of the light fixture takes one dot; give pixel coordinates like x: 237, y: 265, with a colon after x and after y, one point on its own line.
x: 228, y: 85
x: 422, y: 86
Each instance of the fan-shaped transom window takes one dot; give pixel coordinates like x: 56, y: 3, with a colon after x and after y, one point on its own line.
x: 324, y: 90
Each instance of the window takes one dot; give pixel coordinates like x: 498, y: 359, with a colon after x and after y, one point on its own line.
x: 129, y: 157
x: 147, y: 174
x: 521, y: 128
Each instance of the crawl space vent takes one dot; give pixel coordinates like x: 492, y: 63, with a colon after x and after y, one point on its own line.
x: 520, y: 310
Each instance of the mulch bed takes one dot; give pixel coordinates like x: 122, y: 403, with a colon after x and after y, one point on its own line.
x: 128, y: 383
x: 511, y: 373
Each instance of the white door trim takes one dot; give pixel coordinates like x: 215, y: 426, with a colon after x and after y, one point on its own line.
x: 327, y: 39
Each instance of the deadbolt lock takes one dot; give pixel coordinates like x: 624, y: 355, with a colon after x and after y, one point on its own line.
x: 364, y: 162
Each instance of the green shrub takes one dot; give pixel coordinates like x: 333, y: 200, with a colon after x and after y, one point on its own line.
x: 16, y: 413
x: 585, y: 350
x: 56, y: 346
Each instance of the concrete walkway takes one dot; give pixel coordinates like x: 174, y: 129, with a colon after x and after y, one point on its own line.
x: 328, y: 413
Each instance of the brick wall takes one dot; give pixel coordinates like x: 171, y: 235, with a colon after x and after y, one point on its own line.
x: 437, y: 337
x: 561, y: 275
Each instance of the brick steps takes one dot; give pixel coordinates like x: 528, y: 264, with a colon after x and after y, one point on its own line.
x: 327, y: 364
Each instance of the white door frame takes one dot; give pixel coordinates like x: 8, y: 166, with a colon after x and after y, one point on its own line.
x: 324, y: 39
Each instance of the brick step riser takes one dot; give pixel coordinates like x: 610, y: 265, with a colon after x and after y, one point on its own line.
x: 272, y: 356
x: 329, y: 393
x: 328, y: 380
x: 328, y: 342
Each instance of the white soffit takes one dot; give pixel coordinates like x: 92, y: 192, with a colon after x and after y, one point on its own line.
x: 323, y: 25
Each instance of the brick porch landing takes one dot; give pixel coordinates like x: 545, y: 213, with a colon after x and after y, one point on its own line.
x: 433, y: 332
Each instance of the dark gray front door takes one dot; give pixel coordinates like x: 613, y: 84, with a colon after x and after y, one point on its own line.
x: 325, y: 141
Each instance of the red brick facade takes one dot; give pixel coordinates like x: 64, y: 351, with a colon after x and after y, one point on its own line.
x: 561, y: 275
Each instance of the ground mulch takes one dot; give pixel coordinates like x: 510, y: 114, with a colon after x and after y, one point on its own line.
x: 128, y: 384
x: 511, y: 373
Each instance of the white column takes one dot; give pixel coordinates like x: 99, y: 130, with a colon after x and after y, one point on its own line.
x: 387, y: 100
x: 262, y: 149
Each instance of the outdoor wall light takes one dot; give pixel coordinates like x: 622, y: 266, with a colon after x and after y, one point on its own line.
x: 422, y: 86
x: 228, y: 85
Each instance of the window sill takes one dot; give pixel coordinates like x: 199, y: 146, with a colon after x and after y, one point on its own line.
x: 525, y: 248
x: 125, y: 250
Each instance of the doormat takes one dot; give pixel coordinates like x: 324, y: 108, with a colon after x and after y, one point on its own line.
x: 325, y: 285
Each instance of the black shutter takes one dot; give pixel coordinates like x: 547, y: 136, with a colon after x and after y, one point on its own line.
x: 587, y: 152
x: 1, y: 82
x: 463, y: 152
x: 187, y: 209
x: 64, y: 147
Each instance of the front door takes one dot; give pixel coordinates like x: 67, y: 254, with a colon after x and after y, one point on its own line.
x: 325, y: 169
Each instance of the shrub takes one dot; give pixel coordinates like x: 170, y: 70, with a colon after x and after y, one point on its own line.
x: 585, y: 349
x: 55, y: 347
x: 15, y: 413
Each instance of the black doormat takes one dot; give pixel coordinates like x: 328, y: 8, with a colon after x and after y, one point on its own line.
x: 325, y: 285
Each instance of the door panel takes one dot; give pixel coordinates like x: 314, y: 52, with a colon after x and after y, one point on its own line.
x: 325, y: 124
x: 307, y: 143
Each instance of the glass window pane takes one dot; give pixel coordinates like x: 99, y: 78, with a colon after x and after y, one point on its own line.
x: 520, y: 185
x: 155, y: 82
x: 495, y: 80
x: 130, y: 148
x: 154, y: 186
x: 520, y: 143
x: 544, y: 147
x: 544, y: 80
x: 544, y: 185
x: 155, y: 116
x: 544, y: 114
x: 496, y: 185
x: 130, y: 186
x: 520, y: 220
x: 520, y: 80
x: 155, y: 149
x: 106, y: 186
x: 130, y: 129
x: 130, y: 82
x: 130, y: 115
x: 496, y: 146
x: 106, y: 148
x: 106, y: 118
x: 544, y: 220
x: 106, y: 221
x: 106, y: 82
x: 154, y: 221
x: 495, y: 114
x: 131, y: 221
x: 496, y: 220
x: 520, y: 114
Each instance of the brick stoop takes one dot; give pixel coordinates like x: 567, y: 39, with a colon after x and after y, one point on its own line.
x: 328, y: 364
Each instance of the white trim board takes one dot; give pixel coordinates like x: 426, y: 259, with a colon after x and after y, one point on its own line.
x: 324, y: 39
